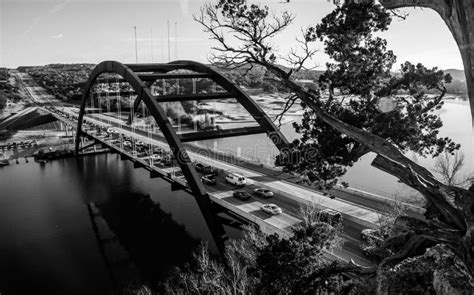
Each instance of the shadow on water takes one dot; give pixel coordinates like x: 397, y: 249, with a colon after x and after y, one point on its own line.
x: 153, y: 241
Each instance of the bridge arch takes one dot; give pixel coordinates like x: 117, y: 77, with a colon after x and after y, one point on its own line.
x: 139, y: 77
x: 244, y: 99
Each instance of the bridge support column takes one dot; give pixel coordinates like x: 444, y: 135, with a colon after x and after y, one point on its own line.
x: 213, y: 221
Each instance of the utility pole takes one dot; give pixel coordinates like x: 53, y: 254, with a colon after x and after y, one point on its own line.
x: 169, y: 47
x: 176, y: 40
x: 136, y: 47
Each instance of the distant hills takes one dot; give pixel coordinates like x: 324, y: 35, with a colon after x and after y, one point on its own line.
x: 67, y: 79
x: 456, y: 74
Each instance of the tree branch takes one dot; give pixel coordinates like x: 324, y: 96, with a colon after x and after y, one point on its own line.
x: 434, y: 192
x: 439, y: 6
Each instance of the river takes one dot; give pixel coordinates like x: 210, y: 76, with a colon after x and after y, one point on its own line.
x: 48, y: 243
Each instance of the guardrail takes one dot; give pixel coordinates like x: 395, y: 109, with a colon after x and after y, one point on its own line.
x: 409, y: 208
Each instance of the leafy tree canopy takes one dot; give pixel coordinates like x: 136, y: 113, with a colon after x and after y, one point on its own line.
x: 369, y: 96
x: 271, y: 264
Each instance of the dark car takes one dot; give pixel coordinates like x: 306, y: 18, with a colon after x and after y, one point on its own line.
x: 159, y: 151
x: 207, y: 170
x: 208, y: 179
x: 263, y: 193
x: 199, y: 167
x: 167, y: 160
x: 241, y: 195
x: 211, y: 128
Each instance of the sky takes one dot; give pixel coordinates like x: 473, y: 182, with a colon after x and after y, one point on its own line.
x: 38, y: 32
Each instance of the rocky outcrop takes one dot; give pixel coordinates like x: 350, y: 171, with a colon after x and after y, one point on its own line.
x: 450, y: 276
x: 438, y: 271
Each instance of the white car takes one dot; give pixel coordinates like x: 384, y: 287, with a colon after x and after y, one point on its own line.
x: 271, y: 209
x: 156, y: 157
x: 127, y: 143
x: 236, y: 179
x: 263, y: 193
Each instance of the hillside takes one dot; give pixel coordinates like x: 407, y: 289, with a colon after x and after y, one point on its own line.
x: 66, y: 80
x: 456, y: 74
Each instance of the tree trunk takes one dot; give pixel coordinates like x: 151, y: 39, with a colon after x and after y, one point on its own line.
x: 461, y: 24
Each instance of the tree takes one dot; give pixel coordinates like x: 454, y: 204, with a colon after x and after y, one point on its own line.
x: 296, y: 265
x: 448, y: 167
x: 450, y: 210
x: 271, y: 264
x: 459, y: 17
x: 234, y: 275
x: 362, y: 74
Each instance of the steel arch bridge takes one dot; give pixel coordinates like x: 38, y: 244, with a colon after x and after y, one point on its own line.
x: 140, y: 78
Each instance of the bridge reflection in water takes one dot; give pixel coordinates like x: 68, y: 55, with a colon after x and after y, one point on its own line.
x: 138, y: 241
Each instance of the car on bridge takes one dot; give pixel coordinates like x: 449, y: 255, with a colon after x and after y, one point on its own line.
x: 263, y: 193
x: 208, y: 179
x: 271, y: 209
x: 167, y: 160
x: 158, y: 150
x: 236, y: 179
x: 199, y: 167
x: 141, y: 148
x: 205, y: 169
x: 142, y: 154
x: 241, y: 195
x: 156, y: 157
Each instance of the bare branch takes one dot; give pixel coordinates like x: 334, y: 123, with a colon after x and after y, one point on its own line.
x: 297, y: 58
x: 290, y: 101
